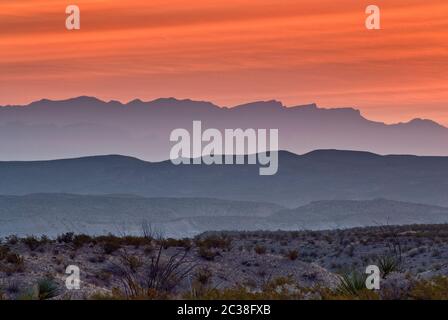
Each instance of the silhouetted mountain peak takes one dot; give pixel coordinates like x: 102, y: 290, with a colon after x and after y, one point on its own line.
x: 173, y: 103
x: 313, y: 109
x: 86, y: 125
x: 135, y: 102
x: 167, y: 100
x: 310, y: 107
x: 82, y: 99
x: 423, y: 123
x: 334, y: 154
x: 271, y: 105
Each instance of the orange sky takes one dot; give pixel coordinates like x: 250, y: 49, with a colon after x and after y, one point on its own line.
x: 230, y: 52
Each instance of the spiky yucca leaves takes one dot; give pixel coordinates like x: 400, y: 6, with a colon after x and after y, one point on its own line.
x: 47, y: 289
x: 388, y: 264
x: 351, y: 283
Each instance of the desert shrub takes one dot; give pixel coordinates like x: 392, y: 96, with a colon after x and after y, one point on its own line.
x: 364, y: 294
x: 31, y: 242
x: 65, y: 238
x: 388, y: 264
x: 135, y: 241
x: 259, y: 249
x: 12, y: 269
x: 44, y: 239
x: 47, y: 289
x: 13, y: 262
x: 12, y: 240
x: 351, y: 283
x: 158, y: 277
x: 118, y: 294
x: 208, y: 254
x: 4, y: 251
x: 132, y: 262
x: 214, y: 241
x: 433, y: 289
x: 112, y: 243
x: 393, y: 259
x: 203, y: 276
x: 176, y: 243
x: 277, y: 289
x: 110, y: 247
x: 14, y: 258
x: 292, y: 255
x: 201, y: 283
x: 208, y: 246
x: 80, y: 240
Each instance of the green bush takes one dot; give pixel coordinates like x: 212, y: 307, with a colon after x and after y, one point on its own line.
x: 351, y: 284
x: 388, y: 264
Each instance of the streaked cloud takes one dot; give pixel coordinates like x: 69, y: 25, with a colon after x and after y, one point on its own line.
x: 231, y: 52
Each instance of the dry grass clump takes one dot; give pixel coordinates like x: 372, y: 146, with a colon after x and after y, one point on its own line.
x: 214, y: 241
x: 209, y: 247
x: 433, y: 289
x: 110, y: 243
x: 154, y: 278
x: 281, y: 288
x: 292, y: 255
x: 10, y: 262
x: 259, y: 249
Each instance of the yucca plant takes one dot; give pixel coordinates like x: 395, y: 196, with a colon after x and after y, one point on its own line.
x: 351, y: 283
x: 47, y: 289
x: 388, y: 264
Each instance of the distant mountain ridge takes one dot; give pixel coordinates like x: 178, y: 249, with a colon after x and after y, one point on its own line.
x: 53, y: 214
x: 349, y: 213
x: 301, y: 179
x: 86, y: 126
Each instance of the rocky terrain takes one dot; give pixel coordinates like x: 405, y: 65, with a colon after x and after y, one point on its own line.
x: 231, y: 265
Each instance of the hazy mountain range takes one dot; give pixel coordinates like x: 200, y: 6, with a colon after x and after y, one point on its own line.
x: 53, y: 214
x: 319, y: 175
x: 93, y: 192
x: 86, y: 126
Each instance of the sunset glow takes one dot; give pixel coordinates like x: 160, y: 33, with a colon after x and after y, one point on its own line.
x: 231, y: 52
